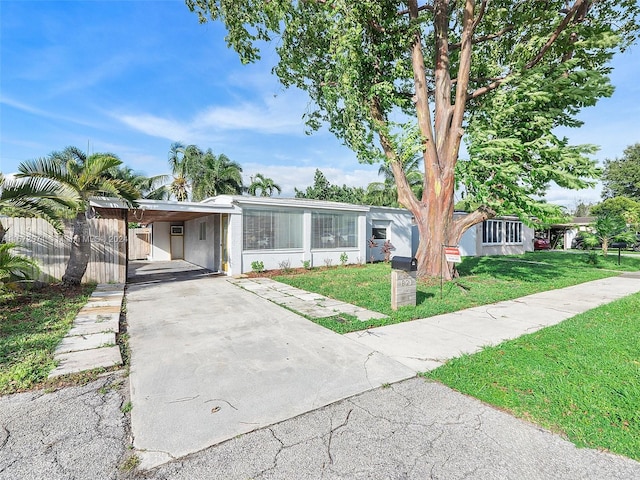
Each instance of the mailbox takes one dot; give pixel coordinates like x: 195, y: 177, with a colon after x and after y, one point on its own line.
x: 406, y: 264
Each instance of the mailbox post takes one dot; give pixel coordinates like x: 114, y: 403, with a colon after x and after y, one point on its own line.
x: 403, y: 281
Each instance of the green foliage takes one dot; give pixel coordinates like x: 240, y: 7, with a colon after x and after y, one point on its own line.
x: 344, y: 258
x: 306, y: 264
x: 482, y: 281
x: 592, y: 258
x: 33, y: 323
x: 285, y: 266
x: 531, y: 67
x: 607, y: 229
x: 578, y: 377
x: 86, y: 175
x: 153, y: 188
x: 265, y: 185
x: 623, y: 207
x: 15, y: 267
x: 257, y: 266
x: 323, y: 190
x: 36, y: 197
x: 621, y: 176
x: 202, y: 173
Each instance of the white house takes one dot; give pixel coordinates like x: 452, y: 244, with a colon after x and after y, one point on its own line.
x: 228, y: 233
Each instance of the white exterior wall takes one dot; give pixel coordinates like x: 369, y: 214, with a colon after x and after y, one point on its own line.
x: 399, y: 232
x: 202, y: 252
x: 234, y: 242
x: 468, y: 242
x: 161, y: 243
x: 275, y: 259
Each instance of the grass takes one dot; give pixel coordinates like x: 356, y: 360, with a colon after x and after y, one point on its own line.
x: 580, y: 378
x: 483, y: 280
x: 32, y: 323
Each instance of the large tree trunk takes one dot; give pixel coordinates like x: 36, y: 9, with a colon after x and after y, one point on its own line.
x: 80, y: 251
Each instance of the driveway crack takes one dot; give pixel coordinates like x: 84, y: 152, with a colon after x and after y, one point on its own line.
x: 332, y: 431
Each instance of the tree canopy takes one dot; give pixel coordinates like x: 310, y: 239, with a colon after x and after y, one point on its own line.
x: 621, y: 176
x: 397, y: 79
x: 623, y: 207
x: 322, y: 189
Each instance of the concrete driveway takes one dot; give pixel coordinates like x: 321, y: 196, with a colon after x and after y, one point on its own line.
x: 210, y: 361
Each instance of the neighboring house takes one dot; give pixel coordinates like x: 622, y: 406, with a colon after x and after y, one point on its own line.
x: 568, y: 231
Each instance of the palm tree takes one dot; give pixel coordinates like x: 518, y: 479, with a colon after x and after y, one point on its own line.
x: 179, y: 187
x: 265, y: 185
x: 14, y: 266
x: 88, y: 176
x: 213, y: 175
x: 386, y: 193
x: 36, y: 197
x: 152, y: 188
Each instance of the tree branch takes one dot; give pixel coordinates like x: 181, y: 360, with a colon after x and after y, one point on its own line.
x: 483, y: 8
x: 405, y: 194
x: 484, y: 38
x: 576, y: 13
x: 465, y: 222
x: 554, y: 36
x: 420, y: 9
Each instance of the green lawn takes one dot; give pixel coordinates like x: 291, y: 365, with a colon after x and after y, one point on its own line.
x: 483, y: 280
x: 580, y: 378
x: 31, y: 326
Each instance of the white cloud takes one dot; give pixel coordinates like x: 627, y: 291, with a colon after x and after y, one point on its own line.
x: 158, y: 127
x: 291, y: 177
x: 276, y: 114
x: 43, y: 113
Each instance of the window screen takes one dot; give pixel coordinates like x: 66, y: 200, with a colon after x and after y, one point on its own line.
x: 271, y: 229
x: 334, y: 230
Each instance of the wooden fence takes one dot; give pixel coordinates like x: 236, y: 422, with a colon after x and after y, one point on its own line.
x: 139, y: 243
x: 38, y: 240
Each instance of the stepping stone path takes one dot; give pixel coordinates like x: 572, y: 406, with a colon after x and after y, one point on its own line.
x: 91, y: 342
x: 310, y: 304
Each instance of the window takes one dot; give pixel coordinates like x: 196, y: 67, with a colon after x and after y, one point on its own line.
x: 203, y: 231
x: 513, y: 232
x: 496, y: 232
x: 334, y: 230
x: 271, y: 229
x: 379, y: 233
x: 492, y: 231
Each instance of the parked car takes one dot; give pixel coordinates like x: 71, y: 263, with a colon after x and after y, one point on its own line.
x: 540, y: 243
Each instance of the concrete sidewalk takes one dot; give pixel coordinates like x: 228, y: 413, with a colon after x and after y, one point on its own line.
x: 427, y: 343
x: 91, y: 342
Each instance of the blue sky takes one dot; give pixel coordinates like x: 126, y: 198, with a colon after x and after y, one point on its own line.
x: 131, y: 77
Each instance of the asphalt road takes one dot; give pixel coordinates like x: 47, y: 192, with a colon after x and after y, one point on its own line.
x: 413, y: 429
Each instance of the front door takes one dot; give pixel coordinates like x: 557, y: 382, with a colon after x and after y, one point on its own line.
x: 177, y: 243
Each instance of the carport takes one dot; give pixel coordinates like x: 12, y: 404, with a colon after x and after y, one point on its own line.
x: 197, y: 233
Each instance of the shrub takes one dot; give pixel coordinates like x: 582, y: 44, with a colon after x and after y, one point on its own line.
x: 257, y: 266
x: 344, y: 258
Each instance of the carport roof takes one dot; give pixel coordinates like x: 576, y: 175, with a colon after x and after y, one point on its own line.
x: 149, y: 211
